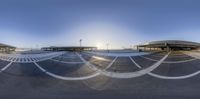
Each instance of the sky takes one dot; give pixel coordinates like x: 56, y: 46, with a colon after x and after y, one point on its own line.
x: 119, y: 23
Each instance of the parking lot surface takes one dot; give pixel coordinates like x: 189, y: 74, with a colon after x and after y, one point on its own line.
x: 85, y: 75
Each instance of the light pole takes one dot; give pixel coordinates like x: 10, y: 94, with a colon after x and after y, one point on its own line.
x: 80, y: 42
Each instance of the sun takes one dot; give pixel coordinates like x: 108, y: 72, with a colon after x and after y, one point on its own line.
x: 99, y: 45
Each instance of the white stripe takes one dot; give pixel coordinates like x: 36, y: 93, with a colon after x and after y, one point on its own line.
x: 134, y: 74
x: 67, y: 57
x: 8, y: 65
x: 135, y: 62
x: 178, y: 77
x: 170, y: 62
x: 97, y: 73
x: 67, y: 78
x: 111, y: 63
x: 67, y: 62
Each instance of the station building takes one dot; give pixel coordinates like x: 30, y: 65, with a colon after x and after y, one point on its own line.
x: 169, y: 45
x: 6, y: 48
x: 69, y: 48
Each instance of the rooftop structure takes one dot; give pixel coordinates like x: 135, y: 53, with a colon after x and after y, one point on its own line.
x: 169, y: 45
x: 6, y: 48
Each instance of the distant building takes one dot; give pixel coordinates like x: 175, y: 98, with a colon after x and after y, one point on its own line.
x: 69, y: 48
x: 169, y: 45
x: 6, y: 48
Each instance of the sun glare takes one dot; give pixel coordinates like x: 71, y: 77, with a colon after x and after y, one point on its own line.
x: 99, y: 45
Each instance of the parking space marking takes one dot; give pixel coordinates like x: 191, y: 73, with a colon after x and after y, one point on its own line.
x: 67, y: 57
x: 97, y: 71
x: 91, y: 66
x: 192, y: 54
x: 8, y: 65
x: 111, y: 63
x: 67, y: 62
x: 95, y: 74
x: 170, y: 62
x: 134, y: 74
x: 134, y: 62
x: 118, y: 54
x: 176, y: 77
x: 67, y: 78
x: 29, y: 58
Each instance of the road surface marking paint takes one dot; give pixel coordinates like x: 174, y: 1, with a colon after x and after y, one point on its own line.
x: 8, y: 65
x: 176, y: 77
x: 111, y: 63
x: 135, y: 62
x: 170, y: 62
x: 134, y: 74
x: 20, y: 58
x: 67, y: 62
x: 67, y: 78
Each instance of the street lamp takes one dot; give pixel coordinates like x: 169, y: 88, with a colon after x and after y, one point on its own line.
x: 80, y: 42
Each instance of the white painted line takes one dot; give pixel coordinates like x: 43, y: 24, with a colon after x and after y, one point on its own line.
x: 91, y: 66
x: 118, y: 54
x: 8, y: 65
x: 20, y: 58
x: 135, y: 62
x: 175, y: 78
x: 149, y: 58
x: 111, y: 63
x: 101, y: 58
x: 67, y: 78
x: 40, y: 67
x: 10, y: 58
x: 73, y: 78
x: 67, y: 57
x: 192, y: 54
x: 134, y: 74
x: 97, y: 73
x: 67, y: 62
x: 170, y: 62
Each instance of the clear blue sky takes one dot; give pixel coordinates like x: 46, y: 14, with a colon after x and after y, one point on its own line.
x: 121, y: 23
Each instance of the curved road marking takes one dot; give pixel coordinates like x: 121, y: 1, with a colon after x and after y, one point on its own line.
x: 175, y: 78
x: 170, y: 62
x: 192, y: 54
x: 93, y: 66
x: 67, y: 62
x: 67, y: 78
x: 135, y: 62
x: 97, y: 73
x: 119, y: 54
x: 134, y: 74
x: 67, y: 57
x: 119, y: 75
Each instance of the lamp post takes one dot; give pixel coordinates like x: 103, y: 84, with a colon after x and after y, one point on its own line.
x: 80, y: 42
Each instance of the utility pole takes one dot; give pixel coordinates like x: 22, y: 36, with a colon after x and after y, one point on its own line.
x: 80, y: 42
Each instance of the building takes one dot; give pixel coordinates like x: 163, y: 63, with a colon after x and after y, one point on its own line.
x: 6, y: 48
x: 169, y: 45
x: 69, y: 48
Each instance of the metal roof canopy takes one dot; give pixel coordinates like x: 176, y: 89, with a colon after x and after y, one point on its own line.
x: 171, y: 44
x: 5, y: 45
